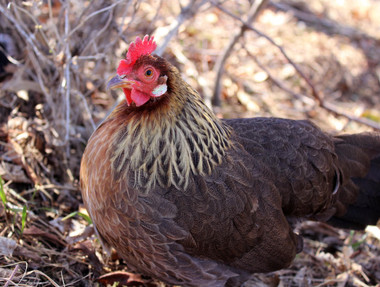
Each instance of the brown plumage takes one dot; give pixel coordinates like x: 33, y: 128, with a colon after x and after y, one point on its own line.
x: 197, y: 201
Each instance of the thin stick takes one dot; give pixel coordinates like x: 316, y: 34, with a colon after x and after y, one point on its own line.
x: 278, y: 83
x: 67, y: 74
x: 44, y: 275
x: 121, y: 32
x: 37, y: 24
x: 314, y: 91
x: 153, y: 21
x: 29, y: 38
x: 261, y: 34
x: 100, y: 32
x: 93, y: 125
x: 12, y: 275
x: 331, y: 108
x: 186, y: 13
x: 55, y: 29
x: 327, y: 106
x: 93, y: 15
x: 255, y: 9
x: 330, y: 25
x: 32, y: 56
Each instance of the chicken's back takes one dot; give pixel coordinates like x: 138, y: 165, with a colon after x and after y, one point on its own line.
x: 319, y: 176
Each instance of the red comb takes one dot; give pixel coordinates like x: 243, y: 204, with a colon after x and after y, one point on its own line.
x: 135, y: 51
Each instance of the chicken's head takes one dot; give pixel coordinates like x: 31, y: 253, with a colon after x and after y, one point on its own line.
x: 140, y: 77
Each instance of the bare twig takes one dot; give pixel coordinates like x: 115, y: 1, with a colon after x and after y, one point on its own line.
x: 54, y: 26
x: 93, y: 15
x: 87, y: 109
x: 315, y: 92
x: 326, y: 105
x: 29, y: 38
x: 255, y: 9
x: 67, y: 74
x: 123, y: 31
x: 186, y: 13
x: 12, y: 275
x: 100, y: 32
x: 331, y: 108
x: 32, y: 56
x: 153, y: 21
x: 37, y: 25
x: 331, y: 26
x: 44, y: 275
x: 96, y: 57
x: 278, y: 83
x: 261, y: 34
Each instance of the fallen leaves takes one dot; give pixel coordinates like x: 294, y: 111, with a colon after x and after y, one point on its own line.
x: 122, y: 278
x: 7, y: 246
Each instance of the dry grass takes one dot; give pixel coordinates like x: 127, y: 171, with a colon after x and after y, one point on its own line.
x: 53, y: 95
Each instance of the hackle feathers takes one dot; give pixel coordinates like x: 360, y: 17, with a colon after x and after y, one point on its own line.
x: 166, y: 148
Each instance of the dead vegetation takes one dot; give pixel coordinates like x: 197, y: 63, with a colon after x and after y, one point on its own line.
x: 59, y: 57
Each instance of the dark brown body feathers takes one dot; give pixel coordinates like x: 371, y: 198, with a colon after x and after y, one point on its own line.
x: 195, y: 201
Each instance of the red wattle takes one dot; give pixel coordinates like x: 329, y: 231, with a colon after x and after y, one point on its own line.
x: 139, y: 98
x: 127, y: 93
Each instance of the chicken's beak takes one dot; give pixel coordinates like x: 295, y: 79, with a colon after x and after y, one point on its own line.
x: 119, y: 82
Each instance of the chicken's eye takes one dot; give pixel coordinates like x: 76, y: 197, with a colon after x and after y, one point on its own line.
x: 148, y: 73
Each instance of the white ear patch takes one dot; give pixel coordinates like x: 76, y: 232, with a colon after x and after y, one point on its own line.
x: 159, y: 90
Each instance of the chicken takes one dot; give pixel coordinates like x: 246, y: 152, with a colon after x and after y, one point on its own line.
x: 193, y: 200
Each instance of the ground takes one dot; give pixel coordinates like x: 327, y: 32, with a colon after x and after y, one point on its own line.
x: 318, y: 60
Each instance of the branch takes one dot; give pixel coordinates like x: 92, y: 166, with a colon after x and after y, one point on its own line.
x: 186, y: 13
x: 92, y: 15
x: 255, y: 9
x: 14, y: 272
x: 29, y: 38
x: 325, y: 105
x: 87, y: 109
x: 34, y: 54
x: 333, y: 109
x: 316, y: 95
x: 311, y: 19
x: 278, y: 83
x: 261, y: 34
x: 67, y: 78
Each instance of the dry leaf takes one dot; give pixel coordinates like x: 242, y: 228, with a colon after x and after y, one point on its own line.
x: 124, y: 279
x: 13, y: 172
x: 7, y: 246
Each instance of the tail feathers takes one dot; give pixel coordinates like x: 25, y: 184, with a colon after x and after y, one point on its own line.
x: 358, y: 204
x: 366, y: 209
x: 367, y: 206
x: 355, y: 153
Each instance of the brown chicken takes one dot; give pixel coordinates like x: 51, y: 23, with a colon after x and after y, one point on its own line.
x: 197, y: 201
